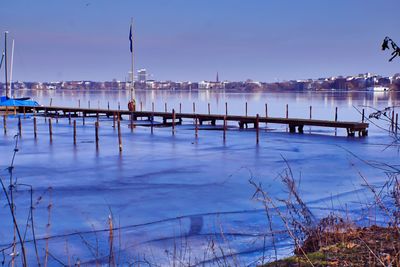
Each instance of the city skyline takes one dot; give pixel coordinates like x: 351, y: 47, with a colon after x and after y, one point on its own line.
x: 180, y: 40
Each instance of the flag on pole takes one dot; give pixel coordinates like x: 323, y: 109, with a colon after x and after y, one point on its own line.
x: 130, y: 39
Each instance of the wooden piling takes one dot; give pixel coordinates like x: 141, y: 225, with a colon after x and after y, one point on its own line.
x: 108, y: 105
x: 96, y: 125
x: 165, y: 106
x: 209, y: 109
x: 98, y: 104
x: 119, y: 135
x: 336, y: 114
x: 69, y: 118
x: 74, y: 132
x: 310, y: 112
x: 57, y: 117
x: 89, y: 104
x: 257, y: 126
x: 141, y: 106
x: 196, y: 127
x: 180, y: 107
x: 131, y: 122
x: 173, y: 121
x: 119, y: 105
x: 246, y: 109
x: 50, y: 131
x: 392, y: 120
x: 113, y: 119
x: 19, y: 126
x: 363, y: 116
x: 287, y: 111
x: 226, y: 108
x: 152, y: 122
x: 15, y: 110
x: 79, y: 103
x: 51, y: 101
x: 24, y: 110
x: 224, y: 128
x: 83, y: 118
x: 194, y: 107
x: 34, y: 127
x: 5, y: 123
x: 397, y: 121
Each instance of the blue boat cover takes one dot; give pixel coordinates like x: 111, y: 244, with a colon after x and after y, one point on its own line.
x: 10, y: 102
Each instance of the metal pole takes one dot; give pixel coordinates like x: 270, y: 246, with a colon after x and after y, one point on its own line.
x: 132, y: 64
x: 11, y: 68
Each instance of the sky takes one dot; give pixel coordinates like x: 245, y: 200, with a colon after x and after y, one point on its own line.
x: 192, y: 40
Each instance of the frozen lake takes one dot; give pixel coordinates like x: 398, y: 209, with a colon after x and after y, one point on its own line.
x: 175, y: 195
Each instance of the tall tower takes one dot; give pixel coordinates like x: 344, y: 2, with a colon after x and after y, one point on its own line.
x: 217, y: 80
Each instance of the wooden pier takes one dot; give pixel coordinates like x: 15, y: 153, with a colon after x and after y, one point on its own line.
x: 175, y: 118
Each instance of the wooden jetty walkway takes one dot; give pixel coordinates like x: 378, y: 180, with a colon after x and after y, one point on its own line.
x: 173, y: 118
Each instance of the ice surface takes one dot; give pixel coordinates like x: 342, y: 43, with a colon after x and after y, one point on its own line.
x: 174, y: 194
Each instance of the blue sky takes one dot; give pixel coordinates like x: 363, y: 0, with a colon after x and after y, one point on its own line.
x: 192, y: 40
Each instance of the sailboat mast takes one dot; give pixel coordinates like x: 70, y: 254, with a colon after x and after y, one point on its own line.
x: 5, y: 62
x: 11, y: 70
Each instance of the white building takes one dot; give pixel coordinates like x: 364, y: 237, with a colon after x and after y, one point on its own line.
x: 142, y: 75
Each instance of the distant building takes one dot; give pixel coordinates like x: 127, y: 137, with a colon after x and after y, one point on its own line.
x: 142, y: 76
x: 339, y: 84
